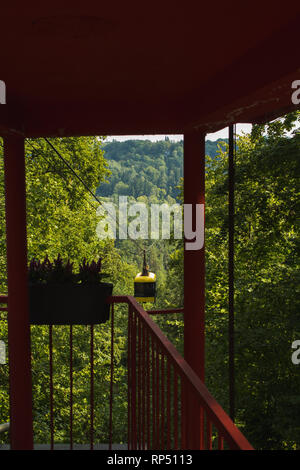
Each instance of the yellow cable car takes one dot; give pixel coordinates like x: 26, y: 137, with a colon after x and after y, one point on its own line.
x: 145, y: 284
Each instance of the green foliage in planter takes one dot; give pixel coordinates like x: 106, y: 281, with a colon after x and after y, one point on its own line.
x: 58, y: 271
x: 44, y: 272
x: 90, y: 273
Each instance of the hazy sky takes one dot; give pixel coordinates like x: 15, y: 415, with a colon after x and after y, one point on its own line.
x: 220, y: 134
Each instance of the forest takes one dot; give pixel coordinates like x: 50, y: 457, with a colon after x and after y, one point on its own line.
x: 145, y: 168
x: 61, y: 219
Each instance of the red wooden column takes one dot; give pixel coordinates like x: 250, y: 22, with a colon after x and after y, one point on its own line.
x: 194, y: 278
x: 21, y: 432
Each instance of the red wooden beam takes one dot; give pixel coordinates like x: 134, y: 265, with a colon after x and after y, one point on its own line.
x: 18, y: 311
x: 194, y: 278
x: 194, y: 260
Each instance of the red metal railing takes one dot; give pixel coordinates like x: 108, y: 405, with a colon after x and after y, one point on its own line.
x: 161, y: 385
x: 51, y: 386
x: 71, y: 372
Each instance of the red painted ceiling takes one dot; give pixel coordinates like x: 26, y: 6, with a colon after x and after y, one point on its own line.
x: 93, y: 67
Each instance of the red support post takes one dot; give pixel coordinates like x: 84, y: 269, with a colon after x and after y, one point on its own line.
x: 194, y: 280
x: 18, y: 307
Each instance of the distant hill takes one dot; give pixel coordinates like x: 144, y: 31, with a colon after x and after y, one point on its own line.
x: 145, y: 168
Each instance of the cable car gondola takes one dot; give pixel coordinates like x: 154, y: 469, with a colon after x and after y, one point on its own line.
x: 145, y: 284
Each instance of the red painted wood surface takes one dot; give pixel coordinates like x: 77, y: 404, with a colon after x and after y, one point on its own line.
x: 21, y: 431
x: 194, y: 260
x: 194, y: 281
x: 164, y: 73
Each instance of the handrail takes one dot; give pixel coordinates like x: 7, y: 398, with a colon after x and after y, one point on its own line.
x: 165, y: 311
x: 214, y: 412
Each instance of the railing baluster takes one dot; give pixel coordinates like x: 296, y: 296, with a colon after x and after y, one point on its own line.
x: 51, y: 386
x: 143, y: 386
x: 202, y: 434
x: 71, y: 387
x: 129, y: 374
x: 92, y: 388
x: 168, y: 406
x: 175, y: 410
x: 184, y: 404
x: 162, y: 427
x: 133, y: 369
x: 157, y: 398
x: 208, y: 433
x: 111, y: 377
x: 139, y: 383
x: 148, y: 388
x: 220, y: 442
x: 153, y: 395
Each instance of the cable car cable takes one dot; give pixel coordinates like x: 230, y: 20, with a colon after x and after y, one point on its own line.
x: 46, y: 159
x: 72, y: 170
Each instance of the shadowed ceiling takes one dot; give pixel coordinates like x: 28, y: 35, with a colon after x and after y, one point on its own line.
x: 85, y: 68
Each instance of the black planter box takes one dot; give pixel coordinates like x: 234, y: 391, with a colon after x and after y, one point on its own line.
x: 69, y: 304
